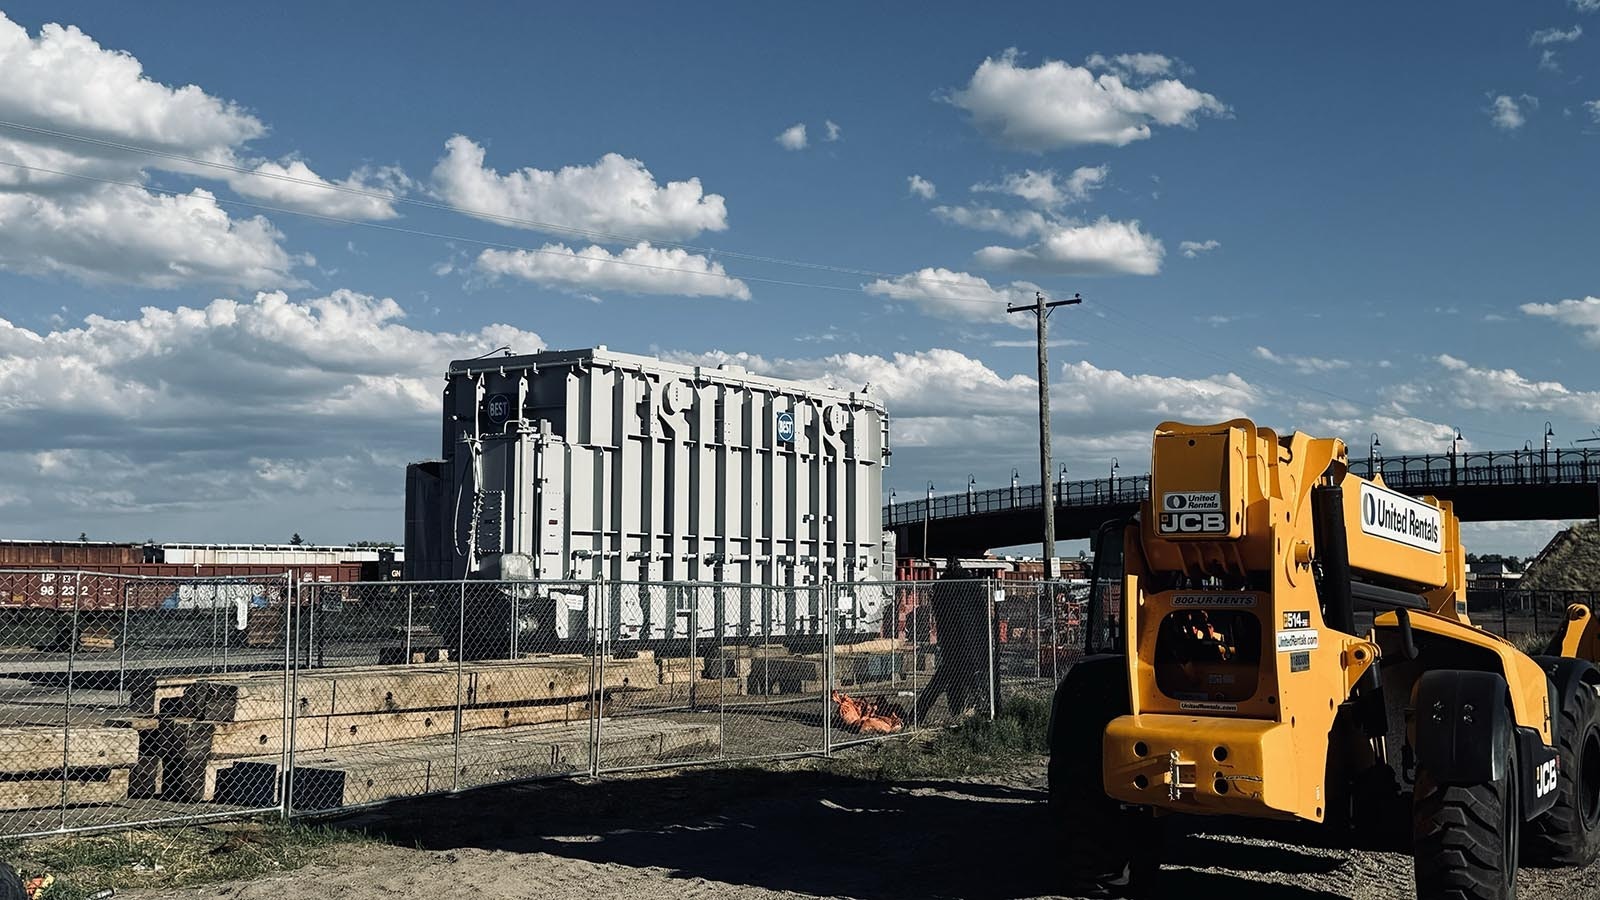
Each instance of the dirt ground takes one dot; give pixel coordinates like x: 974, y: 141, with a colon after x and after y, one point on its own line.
x: 756, y: 834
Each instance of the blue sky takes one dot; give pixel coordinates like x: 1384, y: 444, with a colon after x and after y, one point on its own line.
x: 1370, y: 217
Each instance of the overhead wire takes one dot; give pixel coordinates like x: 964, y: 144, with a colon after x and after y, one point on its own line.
x: 501, y: 245
x: 518, y: 221
x: 533, y: 224
x: 1270, y: 373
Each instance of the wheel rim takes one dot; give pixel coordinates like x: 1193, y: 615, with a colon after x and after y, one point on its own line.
x: 1588, y: 776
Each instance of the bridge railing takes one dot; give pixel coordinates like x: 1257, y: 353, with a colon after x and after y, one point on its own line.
x: 1485, y: 467
x: 1093, y: 492
x: 1405, y: 473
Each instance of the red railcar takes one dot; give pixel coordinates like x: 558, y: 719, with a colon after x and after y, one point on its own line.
x: 143, y: 585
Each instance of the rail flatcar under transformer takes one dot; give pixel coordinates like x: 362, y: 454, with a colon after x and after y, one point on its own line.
x: 585, y: 464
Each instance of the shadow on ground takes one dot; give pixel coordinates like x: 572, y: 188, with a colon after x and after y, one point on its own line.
x: 806, y: 831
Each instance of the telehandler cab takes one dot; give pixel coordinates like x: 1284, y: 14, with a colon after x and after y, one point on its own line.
x: 1273, y: 637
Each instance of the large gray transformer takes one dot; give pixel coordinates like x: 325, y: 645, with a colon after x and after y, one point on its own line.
x: 588, y: 464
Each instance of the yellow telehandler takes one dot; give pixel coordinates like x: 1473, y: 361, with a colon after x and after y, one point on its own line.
x: 1273, y: 637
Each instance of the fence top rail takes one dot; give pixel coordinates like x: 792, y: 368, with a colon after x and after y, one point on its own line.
x: 450, y: 582
x: 285, y: 576
x: 635, y: 582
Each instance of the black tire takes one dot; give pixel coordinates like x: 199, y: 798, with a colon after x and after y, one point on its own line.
x: 11, y: 884
x: 1569, y: 834
x: 1466, y: 839
x: 1104, y: 847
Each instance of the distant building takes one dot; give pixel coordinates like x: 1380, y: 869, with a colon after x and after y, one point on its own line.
x: 1490, y: 574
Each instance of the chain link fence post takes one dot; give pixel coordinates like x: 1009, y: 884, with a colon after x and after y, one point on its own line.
x: 602, y: 644
x: 294, y: 690
x: 993, y: 620
x: 122, y: 649
x: 285, y: 785
x: 594, y: 600
x: 1040, y: 591
x: 66, y: 709
x: 459, y: 651
x: 410, y: 623
x: 830, y: 602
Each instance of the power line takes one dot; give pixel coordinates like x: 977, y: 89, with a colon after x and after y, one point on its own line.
x: 1275, y: 375
x: 518, y: 221
x: 500, y: 245
x: 587, y: 233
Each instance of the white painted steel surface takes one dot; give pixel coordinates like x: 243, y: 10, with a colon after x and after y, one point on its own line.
x: 578, y: 464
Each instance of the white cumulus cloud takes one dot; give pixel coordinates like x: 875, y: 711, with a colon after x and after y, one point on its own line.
x: 641, y: 269
x: 133, y: 236
x: 921, y: 187
x: 1101, y: 247
x: 1192, y: 249
x: 1582, y: 314
x: 1017, y: 222
x: 1507, y: 390
x: 365, y: 195
x: 1137, y: 65
x: 793, y: 137
x: 72, y: 93
x: 1047, y: 189
x: 954, y: 295
x: 1555, y: 36
x: 1305, y: 365
x: 1505, y: 112
x: 64, y: 80
x: 240, y: 419
x: 615, y: 196
x: 952, y: 409
x: 1057, y: 104
x: 834, y: 132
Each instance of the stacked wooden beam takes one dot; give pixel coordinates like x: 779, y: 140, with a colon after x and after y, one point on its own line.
x: 351, y: 776
x: 205, y: 726
x: 43, y: 766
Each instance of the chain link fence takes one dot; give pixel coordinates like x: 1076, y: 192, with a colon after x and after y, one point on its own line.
x: 1527, y: 618
x: 97, y: 727
x: 128, y: 701
x: 1040, y: 630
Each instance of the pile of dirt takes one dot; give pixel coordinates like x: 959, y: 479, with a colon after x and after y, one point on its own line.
x: 1570, y: 562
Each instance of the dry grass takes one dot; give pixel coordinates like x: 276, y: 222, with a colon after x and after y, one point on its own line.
x: 1571, y: 565
x: 170, y: 858
x: 976, y: 747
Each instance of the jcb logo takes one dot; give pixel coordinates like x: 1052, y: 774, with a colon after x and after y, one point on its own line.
x: 1544, y: 778
x: 1193, y: 523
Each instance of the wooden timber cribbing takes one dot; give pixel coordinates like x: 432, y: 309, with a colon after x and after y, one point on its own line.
x: 356, y: 775
x: 217, y: 720
x: 42, y: 765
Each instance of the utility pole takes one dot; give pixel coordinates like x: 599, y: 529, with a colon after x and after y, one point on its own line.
x: 1041, y: 312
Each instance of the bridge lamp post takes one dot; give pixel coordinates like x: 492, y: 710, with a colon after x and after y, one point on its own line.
x: 1061, y: 489
x: 1544, y: 455
x: 972, y: 484
x: 1455, y: 451
x: 891, y: 506
x: 927, y: 516
x: 1112, y: 481
x: 1014, y: 495
x: 1372, y: 455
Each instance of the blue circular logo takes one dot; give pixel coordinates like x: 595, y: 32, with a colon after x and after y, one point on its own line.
x: 786, y: 427
x: 499, y: 408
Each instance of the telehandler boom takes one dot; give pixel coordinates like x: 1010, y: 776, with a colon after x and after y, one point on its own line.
x: 1273, y: 637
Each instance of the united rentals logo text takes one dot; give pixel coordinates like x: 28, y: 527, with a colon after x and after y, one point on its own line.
x: 1396, y: 517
